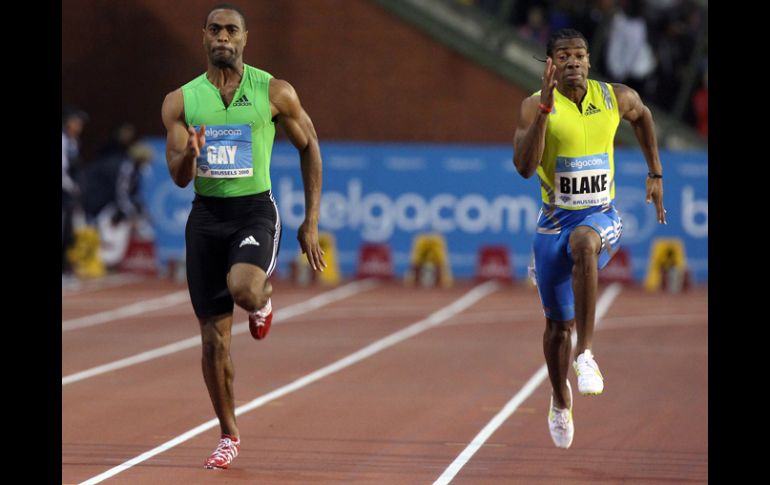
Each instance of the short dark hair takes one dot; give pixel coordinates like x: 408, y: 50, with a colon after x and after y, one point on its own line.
x: 226, y: 6
x: 562, y: 35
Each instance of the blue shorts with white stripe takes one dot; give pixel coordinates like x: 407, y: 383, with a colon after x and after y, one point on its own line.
x: 553, y: 255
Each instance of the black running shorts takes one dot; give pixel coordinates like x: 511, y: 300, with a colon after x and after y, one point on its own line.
x: 221, y: 232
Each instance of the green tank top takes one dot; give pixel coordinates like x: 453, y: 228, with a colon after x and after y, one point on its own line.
x: 235, y: 160
x: 578, y: 167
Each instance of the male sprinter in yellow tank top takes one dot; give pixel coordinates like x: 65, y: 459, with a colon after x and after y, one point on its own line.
x: 221, y: 127
x: 565, y: 135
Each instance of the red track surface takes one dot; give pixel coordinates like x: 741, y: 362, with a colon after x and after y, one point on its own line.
x: 402, y: 415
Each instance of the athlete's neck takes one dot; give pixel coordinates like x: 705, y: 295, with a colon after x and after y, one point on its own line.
x: 574, y: 94
x: 221, y: 77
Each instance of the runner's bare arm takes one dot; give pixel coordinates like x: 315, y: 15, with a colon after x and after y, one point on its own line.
x: 286, y: 107
x: 529, y: 138
x: 183, y: 144
x: 635, y: 112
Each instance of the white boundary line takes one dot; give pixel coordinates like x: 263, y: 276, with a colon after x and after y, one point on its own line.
x: 137, y: 308
x: 280, y: 315
x: 602, y: 305
x: 431, y: 321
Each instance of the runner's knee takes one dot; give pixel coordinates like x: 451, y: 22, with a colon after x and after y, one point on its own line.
x: 249, y: 296
x: 244, y: 296
x: 584, y: 245
x: 557, y: 330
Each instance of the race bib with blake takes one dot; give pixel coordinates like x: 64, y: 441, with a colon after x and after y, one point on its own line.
x: 582, y: 181
x: 227, y: 152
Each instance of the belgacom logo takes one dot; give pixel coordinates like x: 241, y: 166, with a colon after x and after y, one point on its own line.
x: 215, y: 133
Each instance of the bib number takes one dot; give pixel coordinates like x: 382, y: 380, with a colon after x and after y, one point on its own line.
x: 582, y: 181
x: 227, y: 153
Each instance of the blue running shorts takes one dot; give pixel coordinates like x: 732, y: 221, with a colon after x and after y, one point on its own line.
x: 553, y: 255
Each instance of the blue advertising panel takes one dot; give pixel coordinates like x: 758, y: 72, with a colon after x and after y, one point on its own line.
x: 472, y: 194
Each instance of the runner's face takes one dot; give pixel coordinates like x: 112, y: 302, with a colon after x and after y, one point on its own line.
x: 224, y: 38
x: 570, y: 56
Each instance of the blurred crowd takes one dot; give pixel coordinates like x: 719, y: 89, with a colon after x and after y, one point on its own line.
x: 102, y: 205
x: 650, y: 45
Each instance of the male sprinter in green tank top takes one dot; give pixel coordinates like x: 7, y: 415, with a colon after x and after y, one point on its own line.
x: 565, y: 135
x: 221, y: 127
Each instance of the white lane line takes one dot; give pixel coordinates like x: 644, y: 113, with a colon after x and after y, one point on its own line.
x: 602, y: 305
x: 137, y: 308
x: 281, y: 315
x: 431, y: 321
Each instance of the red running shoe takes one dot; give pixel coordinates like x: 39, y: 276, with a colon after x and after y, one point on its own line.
x: 224, y: 454
x: 260, y: 320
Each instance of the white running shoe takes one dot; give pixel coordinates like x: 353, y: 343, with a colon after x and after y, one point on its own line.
x: 560, y: 423
x: 590, y: 380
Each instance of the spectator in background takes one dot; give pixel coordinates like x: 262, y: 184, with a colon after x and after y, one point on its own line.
x: 590, y: 16
x: 73, y: 122
x: 519, y: 15
x: 121, y: 138
x: 552, y: 15
x: 111, y: 198
x: 675, y: 27
x: 670, y: 55
x: 101, y: 175
x: 700, y: 105
x: 536, y: 28
x: 128, y: 196
x: 629, y: 57
x: 99, y: 180
x: 118, y: 207
x: 560, y: 15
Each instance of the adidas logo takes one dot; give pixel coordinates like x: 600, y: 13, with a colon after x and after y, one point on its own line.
x: 592, y: 109
x: 242, y: 101
x: 249, y: 240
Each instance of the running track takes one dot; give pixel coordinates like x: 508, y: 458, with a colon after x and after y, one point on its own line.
x: 436, y: 369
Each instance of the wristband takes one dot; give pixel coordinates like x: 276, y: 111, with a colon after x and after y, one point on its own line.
x: 654, y: 175
x: 545, y: 109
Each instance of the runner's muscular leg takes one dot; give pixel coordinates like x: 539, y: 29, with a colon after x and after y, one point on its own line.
x: 249, y: 286
x: 557, y: 347
x: 585, y: 245
x: 218, y: 370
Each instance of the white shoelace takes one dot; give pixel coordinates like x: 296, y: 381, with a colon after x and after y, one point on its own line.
x: 587, y: 366
x: 226, y: 449
x: 264, y: 311
x: 561, y: 417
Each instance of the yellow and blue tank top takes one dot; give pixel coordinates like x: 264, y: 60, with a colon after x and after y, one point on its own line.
x: 577, y: 171
x: 235, y: 160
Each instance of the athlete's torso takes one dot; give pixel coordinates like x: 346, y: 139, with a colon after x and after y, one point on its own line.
x: 239, y: 137
x: 577, y: 170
